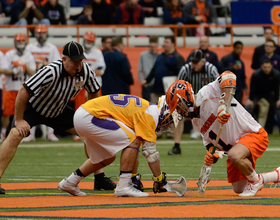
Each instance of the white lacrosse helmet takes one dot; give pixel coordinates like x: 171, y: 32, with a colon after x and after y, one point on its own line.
x: 165, y: 117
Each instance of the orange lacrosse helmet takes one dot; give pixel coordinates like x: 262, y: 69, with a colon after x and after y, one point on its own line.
x: 20, y: 37
x: 180, y: 94
x: 90, y: 36
x: 20, y: 42
x: 89, y: 40
x: 41, y: 28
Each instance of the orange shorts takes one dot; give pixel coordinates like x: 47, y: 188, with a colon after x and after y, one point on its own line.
x: 9, y: 100
x: 257, y: 144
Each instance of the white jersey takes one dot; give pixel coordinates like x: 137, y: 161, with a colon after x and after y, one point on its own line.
x: 14, y: 82
x: 3, y: 65
x: 240, y: 123
x: 49, y: 51
x: 96, y: 61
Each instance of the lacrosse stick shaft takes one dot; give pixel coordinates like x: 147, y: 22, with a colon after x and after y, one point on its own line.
x: 232, y: 93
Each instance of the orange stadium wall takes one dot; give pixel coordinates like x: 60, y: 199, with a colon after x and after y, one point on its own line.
x: 133, y: 54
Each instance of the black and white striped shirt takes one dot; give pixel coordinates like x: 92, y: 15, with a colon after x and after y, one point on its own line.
x: 51, y: 88
x: 198, y: 79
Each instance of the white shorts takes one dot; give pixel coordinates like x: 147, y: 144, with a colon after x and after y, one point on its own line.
x: 103, y: 137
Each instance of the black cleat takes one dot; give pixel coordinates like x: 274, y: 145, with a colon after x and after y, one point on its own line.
x: 2, y: 191
x: 104, y: 184
x: 174, y: 151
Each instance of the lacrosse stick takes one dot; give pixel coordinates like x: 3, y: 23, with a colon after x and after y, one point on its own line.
x: 205, y: 171
x: 179, y: 186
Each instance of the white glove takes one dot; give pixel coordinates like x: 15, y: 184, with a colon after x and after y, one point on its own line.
x: 16, y: 70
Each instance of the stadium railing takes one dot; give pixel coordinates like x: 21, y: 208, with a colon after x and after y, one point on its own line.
x: 137, y: 35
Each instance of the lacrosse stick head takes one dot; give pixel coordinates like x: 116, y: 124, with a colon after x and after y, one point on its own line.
x: 179, y: 186
x: 204, y: 178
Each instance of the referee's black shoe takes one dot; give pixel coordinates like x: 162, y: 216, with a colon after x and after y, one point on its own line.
x: 104, y: 184
x: 2, y: 191
x: 175, y: 151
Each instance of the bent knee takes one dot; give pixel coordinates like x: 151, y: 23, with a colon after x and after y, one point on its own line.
x: 14, y: 133
x: 239, y: 186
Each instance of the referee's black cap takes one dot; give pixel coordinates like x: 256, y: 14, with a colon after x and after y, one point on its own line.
x: 74, y: 50
x: 197, y: 55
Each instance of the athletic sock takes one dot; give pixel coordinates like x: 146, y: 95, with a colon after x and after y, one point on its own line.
x: 253, y: 177
x: 76, y: 178
x: 125, y: 178
x: 177, y: 145
x: 270, y: 177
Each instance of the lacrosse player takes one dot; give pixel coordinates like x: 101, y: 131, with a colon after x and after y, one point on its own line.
x: 242, y: 137
x: 112, y: 123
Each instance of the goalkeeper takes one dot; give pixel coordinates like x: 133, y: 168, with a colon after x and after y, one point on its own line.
x: 113, y: 123
x: 242, y: 137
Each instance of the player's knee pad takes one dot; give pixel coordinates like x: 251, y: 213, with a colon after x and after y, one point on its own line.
x: 149, y: 150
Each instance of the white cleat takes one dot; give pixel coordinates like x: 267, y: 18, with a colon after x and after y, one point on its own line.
x: 251, y: 189
x: 52, y: 137
x: 30, y: 138
x: 129, y: 191
x: 66, y: 186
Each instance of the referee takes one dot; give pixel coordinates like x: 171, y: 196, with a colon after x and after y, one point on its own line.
x: 199, y: 73
x: 44, y: 97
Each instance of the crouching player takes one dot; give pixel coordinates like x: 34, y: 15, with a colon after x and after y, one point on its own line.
x: 242, y: 137
x: 112, y: 123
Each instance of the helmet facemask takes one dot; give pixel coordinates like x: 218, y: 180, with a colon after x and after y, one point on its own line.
x: 165, y: 121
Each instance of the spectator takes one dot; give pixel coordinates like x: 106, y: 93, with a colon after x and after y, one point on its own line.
x: 6, y: 6
x: 53, y: 11
x: 20, y: 64
x: 167, y: 64
x: 233, y: 63
x: 117, y: 77
x: 173, y: 14
x: 210, y: 56
x: 270, y: 47
x: 44, y: 53
x: 199, y: 73
x: 86, y: 17
x: 200, y: 12
x: 260, y: 51
x: 102, y: 12
x: 149, y: 7
x: 23, y: 12
x: 146, y: 63
x: 106, y: 44
x: 129, y: 12
x: 264, y: 93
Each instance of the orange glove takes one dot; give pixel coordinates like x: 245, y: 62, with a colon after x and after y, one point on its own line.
x: 210, y: 158
x: 223, y: 116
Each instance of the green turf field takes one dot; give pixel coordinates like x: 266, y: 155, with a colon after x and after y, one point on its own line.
x: 43, y: 161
